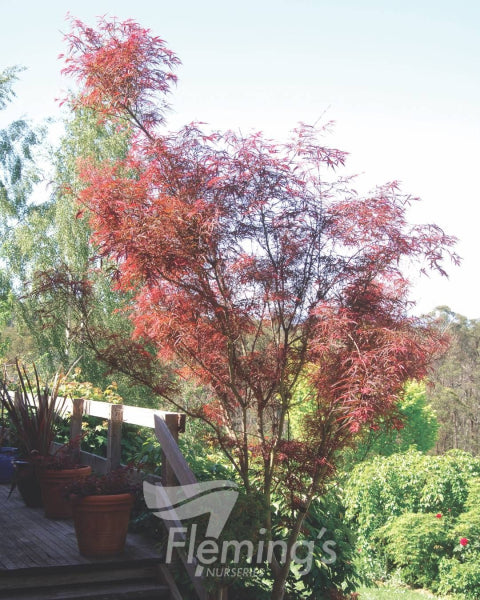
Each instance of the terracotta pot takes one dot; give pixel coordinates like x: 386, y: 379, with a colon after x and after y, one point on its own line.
x: 26, y: 481
x: 52, y: 483
x: 101, y: 523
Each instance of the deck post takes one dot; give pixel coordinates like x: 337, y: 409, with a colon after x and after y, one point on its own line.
x: 76, y: 425
x: 114, y: 441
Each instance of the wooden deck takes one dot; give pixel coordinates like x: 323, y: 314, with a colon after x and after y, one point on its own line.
x: 37, y: 553
x: 28, y: 539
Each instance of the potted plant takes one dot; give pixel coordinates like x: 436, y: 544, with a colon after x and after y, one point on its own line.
x: 101, y: 507
x: 56, y: 472
x: 33, y: 412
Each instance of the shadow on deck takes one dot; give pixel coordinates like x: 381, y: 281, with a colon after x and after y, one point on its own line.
x: 39, y: 560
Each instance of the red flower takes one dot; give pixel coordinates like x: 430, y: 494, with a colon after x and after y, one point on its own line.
x: 463, y: 541
x: 439, y: 515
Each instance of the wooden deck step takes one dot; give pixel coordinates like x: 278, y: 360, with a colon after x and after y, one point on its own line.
x: 100, y: 582
x: 34, y: 578
x: 93, y: 591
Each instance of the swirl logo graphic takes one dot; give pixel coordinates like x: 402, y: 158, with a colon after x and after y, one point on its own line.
x: 187, y: 501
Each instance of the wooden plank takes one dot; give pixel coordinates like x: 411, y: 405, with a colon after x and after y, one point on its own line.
x: 190, y: 567
x: 136, y: 415
x: 97, y: 409
x: 185, y: 476
x: 114, y: 439
x: 170, y: 581
x: 168, y: 472
x: 104, y: 591
x: 76, y: 425
x: 69, y: 576
x: 172, y: 452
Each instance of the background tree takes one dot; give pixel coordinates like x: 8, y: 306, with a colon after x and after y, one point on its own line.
x: 18, y: 170
x: 19, y: 175
x: 45, y: 311
x: 46, y: 234
x: 247, y: 261
x: 418, y: 428
x: 455, y: 389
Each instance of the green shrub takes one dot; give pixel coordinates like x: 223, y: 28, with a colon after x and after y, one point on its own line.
x: 468, y: 526
x: 414, y: 544
x: 381, y: 490
x: 447, y: 481
x: 384, y: 488
x: 473, y: 500
x: 461, y: 578
x: 460, y: 573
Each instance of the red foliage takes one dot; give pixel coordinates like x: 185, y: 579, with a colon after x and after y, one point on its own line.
x: 365, y: 347
x: 251, y: 260
x: 121, y: 67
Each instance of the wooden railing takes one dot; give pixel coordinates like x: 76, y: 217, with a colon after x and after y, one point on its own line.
x: 175, y: 470
x: 116, y: 415
x: 183, y: 476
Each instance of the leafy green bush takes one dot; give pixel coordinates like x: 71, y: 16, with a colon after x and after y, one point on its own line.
x: 414, y: 544
x: 473, y: 500
x: 460, y: 573
x: 462, y: 578
x: 204, y: 460
x: 411, y: 511
x: 384, y: 488
x: 95, y: 434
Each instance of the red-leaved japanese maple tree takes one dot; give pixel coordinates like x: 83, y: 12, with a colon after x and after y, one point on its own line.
x: 253, y: 266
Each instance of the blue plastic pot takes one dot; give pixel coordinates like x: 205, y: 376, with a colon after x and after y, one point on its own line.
x: 7, y: 470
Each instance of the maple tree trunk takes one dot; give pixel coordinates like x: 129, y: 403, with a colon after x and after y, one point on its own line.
x: 281, y: 573
x: 278, y: 590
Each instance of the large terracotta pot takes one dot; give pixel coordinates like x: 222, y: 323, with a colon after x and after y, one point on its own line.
x: 101, y: 523
x: 52, y: 483
x: 27, y: 483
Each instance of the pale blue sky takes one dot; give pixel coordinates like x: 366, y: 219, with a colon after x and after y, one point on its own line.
x: 400, y: 79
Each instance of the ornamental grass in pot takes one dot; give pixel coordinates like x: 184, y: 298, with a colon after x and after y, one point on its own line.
x: 101, y: 506
x: 33, y: 410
